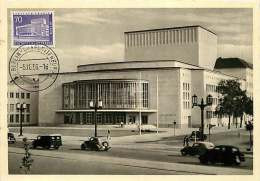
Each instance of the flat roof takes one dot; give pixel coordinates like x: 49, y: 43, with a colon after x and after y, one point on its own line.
x: 171, y: 28
x: 135, y: 61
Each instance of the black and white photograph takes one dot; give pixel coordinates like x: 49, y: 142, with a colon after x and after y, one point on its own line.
x: 130, y: 91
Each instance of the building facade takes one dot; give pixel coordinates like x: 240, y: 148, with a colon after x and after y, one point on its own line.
x: 162, y: 70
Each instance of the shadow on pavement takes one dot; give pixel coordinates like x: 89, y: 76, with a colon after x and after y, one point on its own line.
x: 215, y: 165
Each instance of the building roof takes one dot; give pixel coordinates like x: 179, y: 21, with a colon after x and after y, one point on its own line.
x: 232, y: 63
x: 181, y: 27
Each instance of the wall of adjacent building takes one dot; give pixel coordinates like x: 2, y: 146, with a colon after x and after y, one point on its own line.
x: 12, y: 101
x: 242, y: 73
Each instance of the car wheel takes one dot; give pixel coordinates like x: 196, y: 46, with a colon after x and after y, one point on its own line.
x: 212, y: 162
x: 47, y: 147
x: 83, y: 147
x: 203, y: 160
x: 183, y: 153
x: 106, y: 145
x: 237, y: 160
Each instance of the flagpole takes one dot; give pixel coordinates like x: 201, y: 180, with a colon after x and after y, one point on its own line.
x: 140, y: 103
x: 157, y: 116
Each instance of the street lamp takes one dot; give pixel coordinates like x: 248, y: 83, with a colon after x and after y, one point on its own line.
x: 95, y: 105
x: 202, y: 105
x: 174, y: 124
x: 21, y: 107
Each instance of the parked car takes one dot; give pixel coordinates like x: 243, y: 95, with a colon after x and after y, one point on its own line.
x: 11, y: 138
x: 95, y: 144
x: 226, y: 154
x: 198, y: 148
x: 198, y: 136
x: 48, y: 141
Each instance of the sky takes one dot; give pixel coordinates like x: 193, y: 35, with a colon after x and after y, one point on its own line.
x: 86, y: 36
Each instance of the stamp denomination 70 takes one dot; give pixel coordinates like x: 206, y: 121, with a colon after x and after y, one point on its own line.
x: 32, y: 27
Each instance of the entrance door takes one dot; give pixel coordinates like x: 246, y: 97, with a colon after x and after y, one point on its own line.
x: 131, y: 120
x: 145, y: 119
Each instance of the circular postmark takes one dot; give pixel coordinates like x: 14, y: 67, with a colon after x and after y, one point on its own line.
x: 34, y: 67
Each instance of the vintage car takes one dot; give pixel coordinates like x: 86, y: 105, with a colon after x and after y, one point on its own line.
x: 11, y: 138
x: 226, y: 154
x: 95, y: 144
x: 48, y: 141
x: 197, y: 148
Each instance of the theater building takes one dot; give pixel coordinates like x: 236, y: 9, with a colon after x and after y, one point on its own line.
x: 162, y: 69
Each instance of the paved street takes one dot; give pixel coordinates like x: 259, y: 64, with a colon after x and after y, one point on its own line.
x: 160, y: 156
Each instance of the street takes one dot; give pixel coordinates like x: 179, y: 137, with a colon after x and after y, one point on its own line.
x: 140, y: 157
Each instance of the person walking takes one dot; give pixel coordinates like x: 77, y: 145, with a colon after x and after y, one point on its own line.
x: 184, y: 140
x: 187, y: 141
x: 108, y: 134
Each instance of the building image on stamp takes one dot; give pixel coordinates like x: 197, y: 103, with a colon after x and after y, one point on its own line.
x: 32, y: 28
x: 132, y: 91
x: 37, y: 28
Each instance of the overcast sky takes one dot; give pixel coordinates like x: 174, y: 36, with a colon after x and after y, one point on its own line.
x: 97, y: 35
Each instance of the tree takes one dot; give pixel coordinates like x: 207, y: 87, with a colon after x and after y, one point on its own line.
x: 231, y: 103
x: 27, y: 159
x: 240, y: 106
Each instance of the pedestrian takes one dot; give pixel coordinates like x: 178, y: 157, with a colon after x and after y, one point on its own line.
x: 184, y: 140
x: 187, y: 141
x: 108, y: 134
x: 121, y: 124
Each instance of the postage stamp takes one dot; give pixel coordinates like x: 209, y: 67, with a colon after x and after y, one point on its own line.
x: 34, y: 67
x: 32, y: 27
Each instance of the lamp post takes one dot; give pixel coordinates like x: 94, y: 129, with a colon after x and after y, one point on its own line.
x: 21, y: 107
x: 95, y: 105
x: 174, y: 124
x: 202, y: 105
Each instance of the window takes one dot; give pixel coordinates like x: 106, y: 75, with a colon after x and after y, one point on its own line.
x: 17, y: 118
x: 28, y: 95
x: 22, y: 95
x: 11, y: 95
x: 17, y: 95
x: 27, y: 107
x: 22, y: 118
x: 209, y: 114
x: 11, y: 118
x: 11, y: 107
x: 28, y: 118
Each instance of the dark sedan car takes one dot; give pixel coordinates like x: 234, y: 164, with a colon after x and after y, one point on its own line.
x: 226, y: 154
x: 11, y: 138
x: 197, y: 148
x: 48, y: 141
